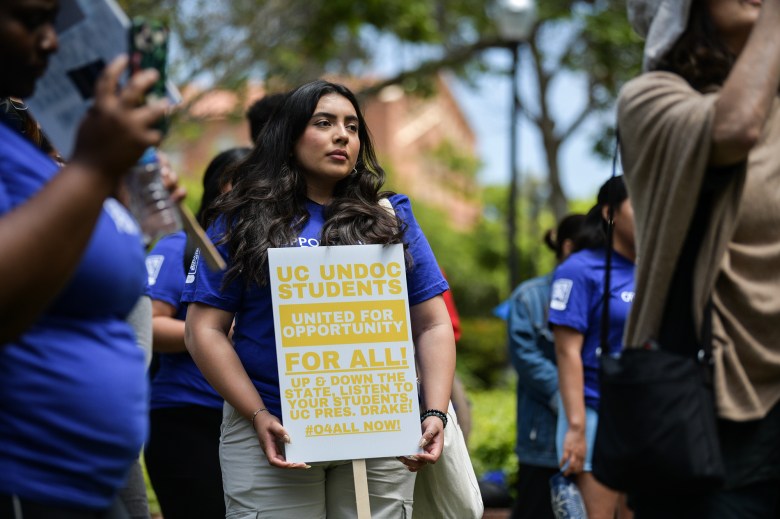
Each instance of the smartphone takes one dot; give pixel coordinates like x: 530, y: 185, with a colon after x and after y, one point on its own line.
x: 149, y: 49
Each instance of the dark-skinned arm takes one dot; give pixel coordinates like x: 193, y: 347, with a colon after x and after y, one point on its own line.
x: 44, y: 238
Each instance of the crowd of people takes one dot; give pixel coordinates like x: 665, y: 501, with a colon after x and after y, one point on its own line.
x: 79, y: 402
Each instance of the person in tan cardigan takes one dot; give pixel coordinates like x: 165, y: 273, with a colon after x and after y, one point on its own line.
x: 704, y: 121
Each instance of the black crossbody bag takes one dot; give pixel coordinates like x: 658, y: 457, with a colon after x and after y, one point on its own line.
x: 657, y: 430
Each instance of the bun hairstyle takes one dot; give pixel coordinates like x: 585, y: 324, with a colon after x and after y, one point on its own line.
x: 567, y: 229
x: 593, y: 234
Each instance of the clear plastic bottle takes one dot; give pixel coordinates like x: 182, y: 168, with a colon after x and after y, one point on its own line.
x: 150, y: 201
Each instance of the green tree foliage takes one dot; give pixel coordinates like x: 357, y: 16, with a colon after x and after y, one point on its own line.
x: 286, y: 42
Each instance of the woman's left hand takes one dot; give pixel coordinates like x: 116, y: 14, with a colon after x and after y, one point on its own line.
x: 431, y: 442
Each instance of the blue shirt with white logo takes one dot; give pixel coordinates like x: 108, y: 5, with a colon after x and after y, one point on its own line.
x: 73, y: 390
x: 178, y: 381
x: 576, y: 301
x: 253, y: 335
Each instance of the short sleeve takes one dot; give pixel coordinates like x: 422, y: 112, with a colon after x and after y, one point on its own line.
x: 165, y: 269
x: 205, y: 285
x: 424, y: 279
x: 570, y: 296
x: 5, y: 202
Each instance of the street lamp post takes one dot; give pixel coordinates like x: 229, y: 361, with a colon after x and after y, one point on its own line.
x: 515, y: 20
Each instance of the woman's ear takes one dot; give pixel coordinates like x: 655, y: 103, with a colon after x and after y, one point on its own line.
x: 605, y: 212
x: 567, y: 247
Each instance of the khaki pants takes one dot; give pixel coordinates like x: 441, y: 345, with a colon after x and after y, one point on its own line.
x: 256, y: 490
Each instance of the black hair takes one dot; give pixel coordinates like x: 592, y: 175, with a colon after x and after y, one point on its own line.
x: 700, y: 55
x: 267, y: 206
x: 567, y: 229
x: 260, y: 111
x: 593, y: 233
x: 214, y: 179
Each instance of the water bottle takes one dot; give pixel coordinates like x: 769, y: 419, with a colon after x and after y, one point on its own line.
x: 150, y: 201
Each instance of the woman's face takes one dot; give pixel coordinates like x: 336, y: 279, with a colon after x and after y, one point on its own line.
x: 624, y: 225
x: 734, y: 19
x: 27, y: 38
x: 328, y: 149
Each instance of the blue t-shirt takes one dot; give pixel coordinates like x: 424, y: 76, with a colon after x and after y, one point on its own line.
x: 73, y: 391
x: 253, y: 334
x: 178, y: 381
x: 576, y: 301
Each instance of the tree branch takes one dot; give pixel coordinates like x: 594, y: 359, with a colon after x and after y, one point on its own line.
x: 582, y: 117
x: 456, y: 56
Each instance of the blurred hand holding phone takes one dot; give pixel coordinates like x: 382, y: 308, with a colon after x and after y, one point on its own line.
x: 153, y: 207
x: 148, y: 49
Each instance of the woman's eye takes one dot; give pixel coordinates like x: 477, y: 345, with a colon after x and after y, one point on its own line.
x: 352, y: 127
x: 324, y: 122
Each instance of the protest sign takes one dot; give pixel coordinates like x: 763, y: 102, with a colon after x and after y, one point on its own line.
x: 344, y: 352
x: 91, y: 34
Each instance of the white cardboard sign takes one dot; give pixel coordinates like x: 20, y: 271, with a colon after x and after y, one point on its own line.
x: 344, y: 352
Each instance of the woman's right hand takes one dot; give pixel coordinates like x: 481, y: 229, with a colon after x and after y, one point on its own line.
x: 574, y: 451
x: 273, y: 436
x: 119, y: 126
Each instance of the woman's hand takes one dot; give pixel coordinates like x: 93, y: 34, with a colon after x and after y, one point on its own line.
x: 574, y: 451
x: 273, y: 436
x: 431, y: 442
x: 119, y: 126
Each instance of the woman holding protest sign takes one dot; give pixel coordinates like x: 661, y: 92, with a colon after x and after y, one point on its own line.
x: 312, y: 179
x: 69, y: 362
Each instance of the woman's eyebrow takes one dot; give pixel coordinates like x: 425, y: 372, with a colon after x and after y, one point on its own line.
x: 329, y: 115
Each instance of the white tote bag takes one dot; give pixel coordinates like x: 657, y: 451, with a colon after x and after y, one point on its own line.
x: 448, y: 489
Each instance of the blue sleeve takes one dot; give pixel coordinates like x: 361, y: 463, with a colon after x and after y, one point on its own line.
x: 527, y: 329
x: 204, y: 285
x: 5, y: 202
x: 165, y: 269
x: 424, y: 279
x: 570, y: 296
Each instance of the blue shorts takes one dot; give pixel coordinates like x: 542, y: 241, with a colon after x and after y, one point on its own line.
x: 591, y: 421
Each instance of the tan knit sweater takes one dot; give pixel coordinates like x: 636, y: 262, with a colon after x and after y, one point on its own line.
x: 665, y: 129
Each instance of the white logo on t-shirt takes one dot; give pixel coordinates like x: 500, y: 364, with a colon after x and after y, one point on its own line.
x: 123, y: 221
x: 627, y: 296
x: 307, y: 242
x: 193, y: 267
x: 561, y: 290
x: 153, y: 266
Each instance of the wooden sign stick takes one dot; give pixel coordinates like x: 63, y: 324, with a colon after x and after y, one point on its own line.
x: 196, y: 232
x: 361, y: 488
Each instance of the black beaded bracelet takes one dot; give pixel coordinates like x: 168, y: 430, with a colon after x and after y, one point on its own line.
x: 437, y: 414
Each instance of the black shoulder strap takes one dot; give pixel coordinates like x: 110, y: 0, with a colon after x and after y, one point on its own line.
x: 608, y: 265
x: 677, y: 333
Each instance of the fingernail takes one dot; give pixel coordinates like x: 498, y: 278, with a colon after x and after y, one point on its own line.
x: 286, y: 438
x: 423, y: 443
x: 307, y: 466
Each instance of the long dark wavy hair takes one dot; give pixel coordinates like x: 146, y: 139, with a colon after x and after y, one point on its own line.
x: 214, y: 179
x: 700, y: 55
x: 267, y: 206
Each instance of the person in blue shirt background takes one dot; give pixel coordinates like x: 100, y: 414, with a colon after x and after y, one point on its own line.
x: 532, y: 352
x: 312, y: 179
x: 182, y: 453
x: 72, y: 386
x: 575, y: 318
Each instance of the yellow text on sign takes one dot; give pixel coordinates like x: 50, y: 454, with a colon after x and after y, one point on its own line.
x: 362, y: 322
